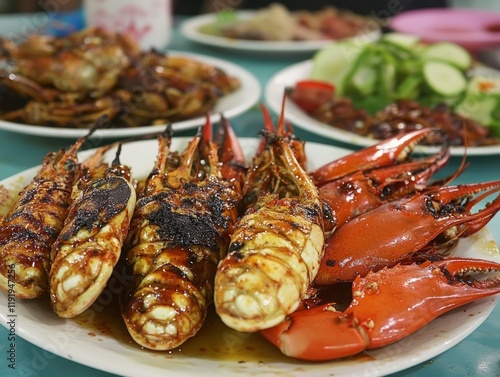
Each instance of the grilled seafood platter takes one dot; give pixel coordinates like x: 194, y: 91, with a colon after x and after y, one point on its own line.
x: 72, y: 81
x: 264, y: 242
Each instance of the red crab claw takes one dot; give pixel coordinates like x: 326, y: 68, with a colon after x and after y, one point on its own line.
x: 230, y: 152
x: 475, y: 223
x: 387, y: 152
x: 402, y: 229
x: 364, y: 190
x: 226, y: 152
x: 387, y: 306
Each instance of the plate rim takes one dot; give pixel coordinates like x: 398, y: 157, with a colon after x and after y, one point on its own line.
x: 273, y: 94
x: 248, y: 95
x: 102, y: 358
x: 189, y: 29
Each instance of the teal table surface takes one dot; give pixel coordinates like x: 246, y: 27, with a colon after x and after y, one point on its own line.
x: 477, y: 355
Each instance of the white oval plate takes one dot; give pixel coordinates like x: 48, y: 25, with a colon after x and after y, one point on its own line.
x: 191, y: 30
x: 37, y: 324
x: 289, y: 76
x: 230, y: 106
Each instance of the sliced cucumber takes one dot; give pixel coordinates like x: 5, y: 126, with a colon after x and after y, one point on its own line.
x: 480, y: 109
x: 406, y: 41
x: 450, y: 53
x: 333, y: 63
x: 364, y: 79
x: 444, y: 79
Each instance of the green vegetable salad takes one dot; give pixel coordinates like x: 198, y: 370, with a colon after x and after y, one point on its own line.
x: 400, y: 66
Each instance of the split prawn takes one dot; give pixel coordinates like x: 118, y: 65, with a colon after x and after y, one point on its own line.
x: 179, y: 232
x: 276, y: 247
x: 32, y: 226
x: 89, y: 245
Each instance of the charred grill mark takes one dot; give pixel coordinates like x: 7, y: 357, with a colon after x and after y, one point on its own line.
x: 45, y: 190
x: 438, y: 209
x: 29, y: 220
x: 101, y: 201
x: 44, y: 221
x: 190, y: 188
x: 328, y: 214
x: 217, y: 207
x: 192, y: 215
x: 184, y: 229
x: 28, y: 197
x: 18, y: 233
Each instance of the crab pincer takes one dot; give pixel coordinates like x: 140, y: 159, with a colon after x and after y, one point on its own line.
x: 387, y: 306
x: 428, y: 222
x: 361, y: 191
x: 385, y: 153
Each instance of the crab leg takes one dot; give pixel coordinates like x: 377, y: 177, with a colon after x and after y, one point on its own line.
x: 363, y: 190
x: 397, y: 230
x: 387, y: 306
x: 26, y: 87
x: 384, y: 153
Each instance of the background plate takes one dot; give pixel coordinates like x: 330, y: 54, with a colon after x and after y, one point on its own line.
x: 472, y: 28
x: 191, y: 30
x: 228, y: 353
x: 290, y: 75
x: 230, y: 105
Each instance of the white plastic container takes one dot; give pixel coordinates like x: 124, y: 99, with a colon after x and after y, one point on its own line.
x: 147, y: 21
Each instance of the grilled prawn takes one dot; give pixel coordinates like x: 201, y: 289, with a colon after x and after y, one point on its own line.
x: 32, y: 226
x: 89, y: 245
x: 276, y: 246
x: 178, y: 234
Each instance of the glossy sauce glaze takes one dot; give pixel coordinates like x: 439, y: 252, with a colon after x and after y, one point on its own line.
x: 215, y: 341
